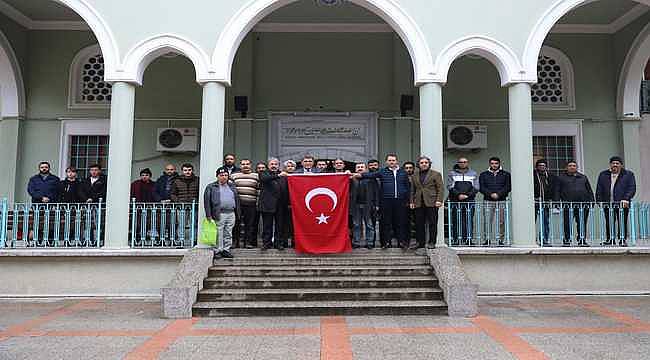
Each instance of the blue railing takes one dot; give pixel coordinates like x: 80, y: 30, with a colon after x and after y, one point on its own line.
x: 162, y: 225
x: 592, y: 224
x: 478, y: 223
x: 52, y: 225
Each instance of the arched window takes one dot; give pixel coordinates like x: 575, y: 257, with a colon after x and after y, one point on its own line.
x: 87, y: 89
x: 554, y: 89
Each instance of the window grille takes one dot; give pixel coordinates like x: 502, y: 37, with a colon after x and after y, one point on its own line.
x: 87, y: 86
x: 556, y: 150
x: 554, y: 88
x: 86, y: 150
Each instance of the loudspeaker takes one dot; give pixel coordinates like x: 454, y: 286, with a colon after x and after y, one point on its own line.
x: 241, y: 105
x: 406, y: 104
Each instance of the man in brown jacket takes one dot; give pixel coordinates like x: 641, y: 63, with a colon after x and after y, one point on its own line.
x: 185, y: 187
x: 426, y: 199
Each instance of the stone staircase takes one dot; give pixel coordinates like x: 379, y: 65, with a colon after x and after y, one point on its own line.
x: 275, y: 282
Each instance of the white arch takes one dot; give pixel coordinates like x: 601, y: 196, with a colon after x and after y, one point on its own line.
x: 541, y: 29
x: 12, y: 88
x: 629, y: 81
x: 499, y: 54
x: 255, y: 10
x: 143, y: 53
x: 102, y: 32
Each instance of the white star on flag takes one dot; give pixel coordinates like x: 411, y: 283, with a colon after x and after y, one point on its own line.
x: 322, y: 219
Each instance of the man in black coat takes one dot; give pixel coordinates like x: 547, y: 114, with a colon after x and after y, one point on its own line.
x: 495, y: 185
x: 70, y: 187
x: 574, y: 187
x: 93, y: 188
x: 616, y: 186
x: 272, y: 204
x: 543, y: 183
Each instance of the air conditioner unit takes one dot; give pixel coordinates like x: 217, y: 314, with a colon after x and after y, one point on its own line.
x: 466, y: 137
x: 178, y: 140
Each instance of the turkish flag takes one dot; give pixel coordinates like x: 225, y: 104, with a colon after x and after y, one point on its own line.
x: 319, y: 206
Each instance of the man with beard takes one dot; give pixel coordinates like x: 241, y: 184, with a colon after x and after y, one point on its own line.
x: 44, y: 188
x: 247, y: 184
x: 163, y: 188
x: 616, y: 186
x: 229, y: 161
x: 426, y: 199
x: 574, y: 187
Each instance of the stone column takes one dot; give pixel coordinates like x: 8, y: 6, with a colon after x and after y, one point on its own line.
x: 632, y: 152
x: 9, y: 134
x: 212, y: 130
x: 431, y: 141
x: 522, y: 211
x: 120, y: 154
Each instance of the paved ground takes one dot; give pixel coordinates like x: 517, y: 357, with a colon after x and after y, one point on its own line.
x: 508, y: 328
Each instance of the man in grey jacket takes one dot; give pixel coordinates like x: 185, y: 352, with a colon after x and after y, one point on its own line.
x: 221, y: 203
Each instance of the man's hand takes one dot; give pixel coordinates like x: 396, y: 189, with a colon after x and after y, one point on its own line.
x: 625, y: 204
x: 438, y: 204
x: 166, y: 201
x: 284, y: 173
x: 356, y: 176
x: 412, y: 206
x: 462, y: 197
x: 494, y: 196
x: 89, y: 201
x: 45, y: 199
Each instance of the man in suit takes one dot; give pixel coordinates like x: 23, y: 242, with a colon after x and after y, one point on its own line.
x: 426, y: 199
x: 616, y: 186
x: 308, y: 167
x: 93, y: 188
x: 270, y: 204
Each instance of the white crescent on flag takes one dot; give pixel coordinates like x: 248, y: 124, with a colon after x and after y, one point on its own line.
x: 320, y: 191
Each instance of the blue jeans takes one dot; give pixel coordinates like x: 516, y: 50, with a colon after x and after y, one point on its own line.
x: 362, y: 216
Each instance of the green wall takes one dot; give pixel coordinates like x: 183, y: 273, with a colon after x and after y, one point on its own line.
x: 347, y: 72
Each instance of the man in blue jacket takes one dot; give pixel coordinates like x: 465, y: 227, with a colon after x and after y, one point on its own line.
x: 616, y: 186
x: 44, y: 187
x: 395, y: 195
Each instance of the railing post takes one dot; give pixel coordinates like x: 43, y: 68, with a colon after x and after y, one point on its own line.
x: 4, y: 213
x: 133, y: 223
x: 633, y: 234
x: 99, y: 222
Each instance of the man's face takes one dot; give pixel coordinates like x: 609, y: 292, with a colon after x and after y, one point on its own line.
x: 71, y: 174
x: 541, y: 167
x: 274, y: 165
x: 145, y: 177
x: 391, y: 161
x: 424, y: 164
x: 290, y: 167
x: 187, y: 172
x: 615, y: 166
x: 572, y: 168
x: 339, y: 164
x: 495, y: 165
x: 245, y: 166
x: 307, y: 163
x: 222, y: 178
x: 373, y: 166
x: 44, y: 169
x: 321, y: 164
x: 463, y: 163
x: 170, y: 170
x: 261, y: 168
x: 409, y: 168
x: 95, y: 172
x: 229, y: 160
x: 360, y: 168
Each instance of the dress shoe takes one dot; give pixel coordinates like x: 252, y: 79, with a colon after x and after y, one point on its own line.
x: 226, y: 254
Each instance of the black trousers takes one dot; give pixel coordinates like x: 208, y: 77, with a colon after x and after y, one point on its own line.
x: 423, y: 216
x: 394, y: 215
x: 616, y: 219
x: 572, y: 214
x: 248, y: 224
x: 275, y: 228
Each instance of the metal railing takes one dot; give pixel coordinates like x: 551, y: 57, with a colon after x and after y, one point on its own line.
x: 162, y: 225
x: 24, y: 225
x: 592, y: 224
x: 478, y: 223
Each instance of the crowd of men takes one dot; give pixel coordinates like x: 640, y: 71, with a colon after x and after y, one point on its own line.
x: 394, y: 195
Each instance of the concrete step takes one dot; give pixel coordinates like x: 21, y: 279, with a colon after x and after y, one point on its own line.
x: 326, y: 261
x: 320, y: 270
x: 311, y: 294
x: 306, y: 308
x: 231, y: 282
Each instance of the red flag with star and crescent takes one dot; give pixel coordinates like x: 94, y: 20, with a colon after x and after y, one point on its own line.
x: 319, y: 207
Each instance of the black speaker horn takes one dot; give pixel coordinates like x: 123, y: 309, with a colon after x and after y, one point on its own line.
x: 406, y: 104
x: 241, y: 105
